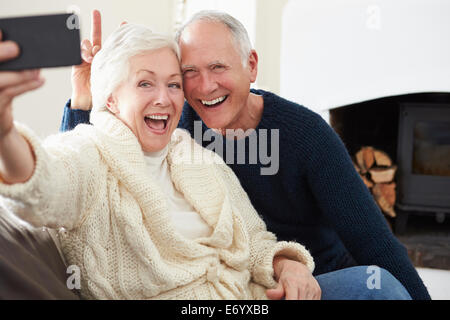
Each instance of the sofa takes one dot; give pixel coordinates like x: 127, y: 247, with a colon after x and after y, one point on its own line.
x: 31, y: 264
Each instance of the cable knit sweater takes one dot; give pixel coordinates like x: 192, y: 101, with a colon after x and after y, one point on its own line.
x: 92, y: 181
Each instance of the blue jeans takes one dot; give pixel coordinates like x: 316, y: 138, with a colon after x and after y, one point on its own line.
x: 361, y: 283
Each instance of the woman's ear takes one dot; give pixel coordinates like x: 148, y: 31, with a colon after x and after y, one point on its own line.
x: 111, y: 104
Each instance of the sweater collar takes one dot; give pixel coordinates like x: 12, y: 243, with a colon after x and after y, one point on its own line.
x: 196, y: 180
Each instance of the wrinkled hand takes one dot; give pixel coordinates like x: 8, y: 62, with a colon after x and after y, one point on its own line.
x: 12, y: 84
x: 295, y: 281
x: 81, y: 74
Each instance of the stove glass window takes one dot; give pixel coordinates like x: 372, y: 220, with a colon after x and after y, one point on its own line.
x: 431, y: 155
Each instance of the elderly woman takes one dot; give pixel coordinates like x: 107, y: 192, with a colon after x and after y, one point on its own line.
x: 144, y: 211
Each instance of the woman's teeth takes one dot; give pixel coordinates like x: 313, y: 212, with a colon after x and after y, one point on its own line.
x: 157, y: 122
x: 155, y: 117
x: 213, y: 102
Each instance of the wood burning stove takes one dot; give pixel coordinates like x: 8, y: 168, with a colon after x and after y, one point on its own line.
x: 414, y: 130
x: 423, y: 156
x: 355, y: 63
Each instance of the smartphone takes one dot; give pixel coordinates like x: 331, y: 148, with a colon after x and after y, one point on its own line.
x: 45, y: 41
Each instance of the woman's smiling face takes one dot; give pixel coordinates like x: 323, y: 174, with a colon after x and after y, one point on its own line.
x: 151, y: 99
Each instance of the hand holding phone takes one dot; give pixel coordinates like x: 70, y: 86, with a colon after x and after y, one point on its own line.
x: 16, y: 158
x: 12, y: 84
x: 8, y: 50
x: 44, y: 41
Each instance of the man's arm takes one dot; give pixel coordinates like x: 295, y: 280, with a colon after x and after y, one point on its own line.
x: 73, y: 117
x: 77, y: 109
x: 350, y: 208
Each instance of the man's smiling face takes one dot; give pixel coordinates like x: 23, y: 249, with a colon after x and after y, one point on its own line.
x: 216, y: 84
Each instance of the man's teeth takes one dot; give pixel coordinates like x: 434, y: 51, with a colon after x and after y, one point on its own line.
x: 215, y: 101
x: 155, y: 117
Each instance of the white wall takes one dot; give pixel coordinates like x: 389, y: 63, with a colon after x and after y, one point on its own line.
x: 336, y: 53
x: 268, y: 42
x: 42, y: 109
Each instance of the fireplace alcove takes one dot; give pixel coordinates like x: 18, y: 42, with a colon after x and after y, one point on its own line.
x: 356, y: 63
x: 399, y: 125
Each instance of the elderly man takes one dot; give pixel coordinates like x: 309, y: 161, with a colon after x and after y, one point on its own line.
x: 313, y: 195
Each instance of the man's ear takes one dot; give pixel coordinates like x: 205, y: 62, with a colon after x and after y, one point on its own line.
x: 111, y: 104
x: 252, y: 65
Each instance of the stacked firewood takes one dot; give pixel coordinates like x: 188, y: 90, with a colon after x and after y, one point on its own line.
x: 377, y: 171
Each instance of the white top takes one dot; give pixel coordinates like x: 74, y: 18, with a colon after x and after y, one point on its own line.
x: 184, y: 217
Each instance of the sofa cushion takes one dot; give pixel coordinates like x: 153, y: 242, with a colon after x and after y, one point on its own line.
x: 30, y: 264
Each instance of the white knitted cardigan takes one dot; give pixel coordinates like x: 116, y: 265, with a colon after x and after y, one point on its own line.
x: 92, y: 181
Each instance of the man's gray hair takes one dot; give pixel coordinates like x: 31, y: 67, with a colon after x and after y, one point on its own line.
x: 110, y: 66
x: 237, y: 30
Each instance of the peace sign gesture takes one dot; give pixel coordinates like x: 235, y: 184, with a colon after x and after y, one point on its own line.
x: 81, y: 74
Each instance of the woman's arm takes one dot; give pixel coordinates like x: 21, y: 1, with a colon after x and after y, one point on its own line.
x: 44, y: 186
x: 64, y: 183
x: 16, y: 158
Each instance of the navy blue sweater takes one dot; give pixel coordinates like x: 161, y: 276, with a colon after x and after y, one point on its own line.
x: 316, y: 198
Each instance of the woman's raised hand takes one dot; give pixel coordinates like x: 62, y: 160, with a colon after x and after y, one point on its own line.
x: 81, y: 74
x: 12, y: 84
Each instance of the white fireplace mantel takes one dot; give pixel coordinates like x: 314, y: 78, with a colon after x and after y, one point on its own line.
x: 336, y: 53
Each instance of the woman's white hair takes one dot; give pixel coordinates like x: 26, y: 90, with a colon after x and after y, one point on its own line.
x: 110, y: 66
x: 237, y: 30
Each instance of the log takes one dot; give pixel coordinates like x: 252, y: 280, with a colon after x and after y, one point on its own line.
x: 365, y: 158
x: 387, y: 190
x: 368, y: 156
x: 377, y: 171
x: 383, y: 175
x: 384, y: 195
x: 382, y: 159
